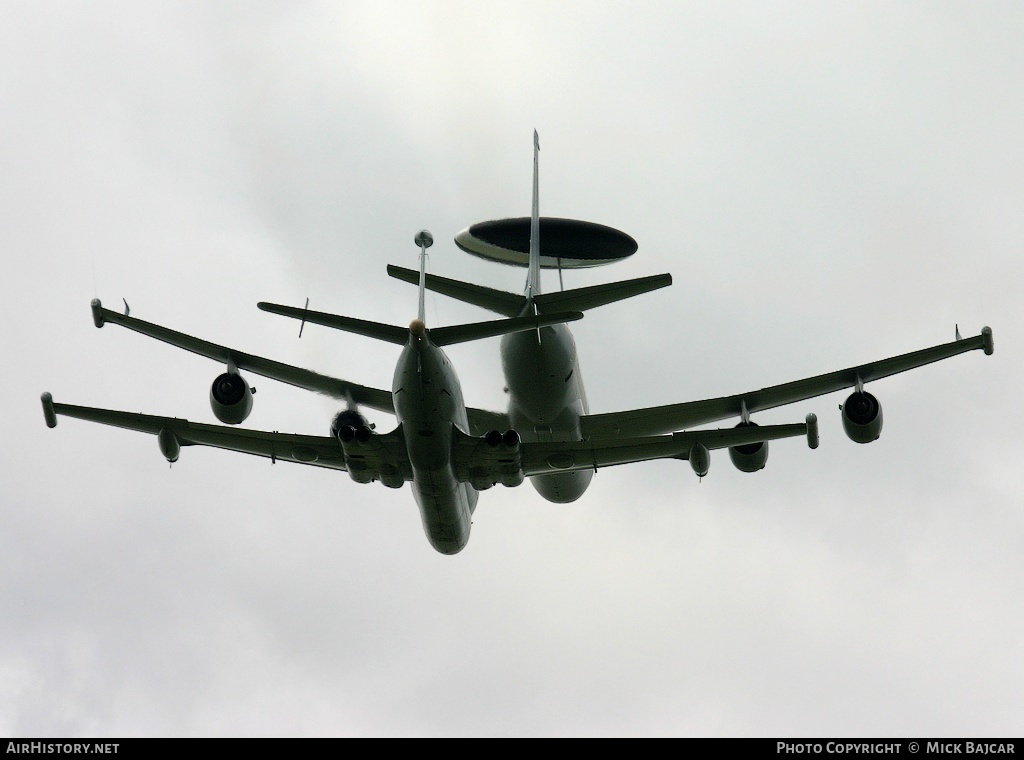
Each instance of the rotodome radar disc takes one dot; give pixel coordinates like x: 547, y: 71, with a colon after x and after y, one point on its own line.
x: 565, y: 243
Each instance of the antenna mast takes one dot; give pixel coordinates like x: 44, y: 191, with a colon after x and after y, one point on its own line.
x: 424, y: 240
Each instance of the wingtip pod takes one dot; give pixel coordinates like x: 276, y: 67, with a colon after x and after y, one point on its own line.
x: 986, y: 340
x: 49, y: 413
x: 812, y: 431
x: 97, y: 313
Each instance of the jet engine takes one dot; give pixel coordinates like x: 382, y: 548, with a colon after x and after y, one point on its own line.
x: 231, y: 398
x: 347, y: 434
x: 348, y: 418
x: 749, y: 457
x: 353, y: 439
x: 862, y: 417
x: 508, y: 461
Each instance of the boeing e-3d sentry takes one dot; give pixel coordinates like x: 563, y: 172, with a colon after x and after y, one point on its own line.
x: 450, y: 452
x: 547, y: 401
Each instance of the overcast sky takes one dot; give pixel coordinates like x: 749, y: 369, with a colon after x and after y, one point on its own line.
x: 828, y: 184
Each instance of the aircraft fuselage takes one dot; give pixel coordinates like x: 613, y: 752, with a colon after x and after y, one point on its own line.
x: 546, y: 399
x: 428, y: 403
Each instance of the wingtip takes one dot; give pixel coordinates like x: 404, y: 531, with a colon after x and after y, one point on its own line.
x: 812, y: 431
x: 49, y: 413
x: 97, y: 312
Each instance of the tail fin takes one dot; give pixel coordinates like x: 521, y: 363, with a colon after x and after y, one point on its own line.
x: 533, y: 278
x: 533, y: 302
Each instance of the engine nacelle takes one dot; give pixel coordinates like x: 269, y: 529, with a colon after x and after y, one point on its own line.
x: 348, y: 418
x: 749, y: 457
x: 862, y: 417
x: 231, y: 398
x: 353, y: 439
x: 347, y: 434
x: 507, y: 462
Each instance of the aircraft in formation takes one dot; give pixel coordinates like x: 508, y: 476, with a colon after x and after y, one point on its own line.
x: 450, y: 452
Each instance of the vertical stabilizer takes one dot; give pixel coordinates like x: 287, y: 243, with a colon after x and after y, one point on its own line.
x: 533, y: 278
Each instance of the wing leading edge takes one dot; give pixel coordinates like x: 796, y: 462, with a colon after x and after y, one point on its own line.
x: 481, y: 461
x: 382, y: 457
x: 656, y: 420
x: 480, y: 420
x: 487, y: 461
x: 174, y: 432
x: 373, y: 398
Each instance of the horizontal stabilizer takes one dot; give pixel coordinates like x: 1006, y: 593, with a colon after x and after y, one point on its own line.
x: 389, y: 333
x: 445, y: 336
x: 510, y: 304
x: 581, y: 299
x: 498, y: 301
x: 440, y: 336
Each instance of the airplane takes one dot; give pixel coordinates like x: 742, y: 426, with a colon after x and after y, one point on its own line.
x: 450, y: 452
x: 547, y: 401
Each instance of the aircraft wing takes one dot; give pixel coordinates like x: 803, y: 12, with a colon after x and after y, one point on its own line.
x: 373, y: 398
x: 547, y: 458
x: 485, y: 462
x: 383, y: 453
x: 322, y: 451
x: 482, y: 420
x: 383, y: 457
x: 663, y: 419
